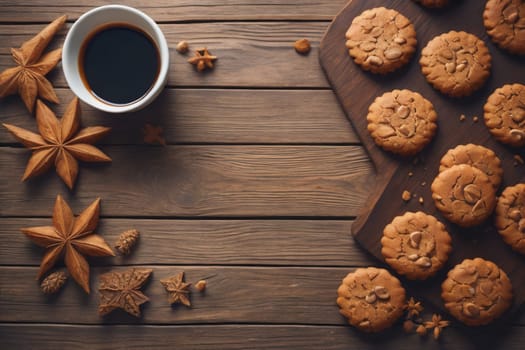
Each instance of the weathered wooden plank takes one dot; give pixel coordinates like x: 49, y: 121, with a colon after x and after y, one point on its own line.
x: 284, y: 295
x: 258, y: 54
x: 180, y: 10
x: 233, y: 295
x: 232, y: 181
x: 201, y: 242
x: 256, y: 337
x: 213, y: 116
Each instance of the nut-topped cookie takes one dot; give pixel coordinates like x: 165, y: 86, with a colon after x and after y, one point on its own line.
x: 433, y: 3
x: 505, y: 24
x: 456, y: 63
x: 476, y: 292
x: 510, y: 216
x: 381, y: 40
x: 371, y: 298
x: 505, y: 114
x: 478, y: 156
x: 402, y: 122
x: 416, y: 245
x: 464, y: 195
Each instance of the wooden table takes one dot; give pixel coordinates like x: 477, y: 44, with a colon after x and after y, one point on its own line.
x: 256, y: 191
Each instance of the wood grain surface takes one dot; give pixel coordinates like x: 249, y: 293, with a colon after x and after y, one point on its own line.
x: 356, y: 94
x: 257, y: 190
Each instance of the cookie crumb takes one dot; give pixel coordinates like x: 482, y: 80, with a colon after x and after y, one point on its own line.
x: 475, y: 119
x: 462, y: 118
x: 406, y: 195
x: 518, y: 160
x: 410, y: 174
x: 421, y: 200
x: 302, y: 46
x: 424, y: 183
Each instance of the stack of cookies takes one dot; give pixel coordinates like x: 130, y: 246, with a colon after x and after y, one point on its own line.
x: 415, y: 244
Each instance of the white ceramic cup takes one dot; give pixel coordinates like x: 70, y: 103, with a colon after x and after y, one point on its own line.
x: 94, y: 19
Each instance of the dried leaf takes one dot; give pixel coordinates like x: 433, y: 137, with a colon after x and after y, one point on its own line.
x: 122, y: 290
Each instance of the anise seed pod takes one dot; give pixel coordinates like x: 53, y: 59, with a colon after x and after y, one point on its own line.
x: 53, y: 282
x: 126, y: 241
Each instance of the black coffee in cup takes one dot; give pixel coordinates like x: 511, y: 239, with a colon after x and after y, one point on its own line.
x: 119, y: 63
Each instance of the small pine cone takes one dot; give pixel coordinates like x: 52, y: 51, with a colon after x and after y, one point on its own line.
x: 126, y: 241
x: 53, y: 282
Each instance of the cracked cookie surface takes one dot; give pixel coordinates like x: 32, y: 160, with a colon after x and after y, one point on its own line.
x: 464, y: 195
x: 402, y: 122
x: 505, y: 24
x: 476, y: 292
x: 416, y: 245
x: 504, y: 114
x: 510, y: 217
x: 456, y: 63
x: 381, y: 40
x: 371, y: 299
x: 477, y: 156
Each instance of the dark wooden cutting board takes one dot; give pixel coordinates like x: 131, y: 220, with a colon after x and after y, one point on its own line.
x: 356, y: 89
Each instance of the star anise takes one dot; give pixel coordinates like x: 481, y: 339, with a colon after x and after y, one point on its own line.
x: 153, y: 134
x: 178, y: 290
x: 58, y: 143
x: 71, y: 237
x: 28, y: 77
x: 202, y: 59
x: 121, y: 290
x: 413, y: 308
x: 437, y: 324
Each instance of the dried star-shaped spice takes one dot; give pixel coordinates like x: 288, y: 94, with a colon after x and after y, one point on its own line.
x: 153, y: 134
x: 121, y: 290
x: 59, y: 143
x: 413, y: 308
x: 437, y: 324
x: 70, y: 237
x: 178, y: 289
x: 202, y: 59
x: 28, y: 78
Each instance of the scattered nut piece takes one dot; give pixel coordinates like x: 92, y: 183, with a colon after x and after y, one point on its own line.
x: 302, y: 46
x: 201, y: 285
x: 475, y: 119
x: 462, y: 118
x: 406, y: 196
x: 421, y: 200
x: 408, y: 326
x: 53, y: 282
x: 410, y: 174
x: 518, y: 160
x: 153, y: 135
x: 424, y: 183
x: 182, y: 47
x: 421, y: 330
